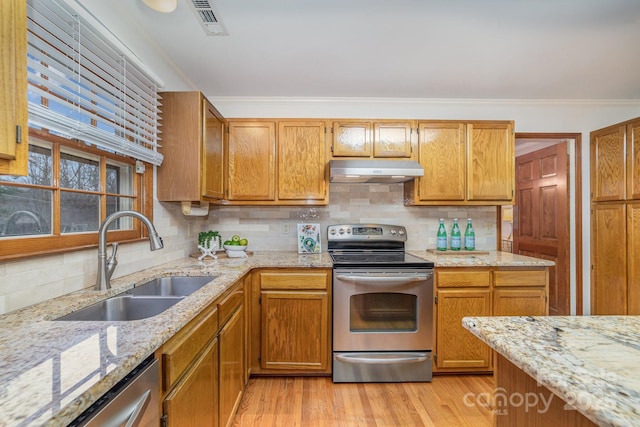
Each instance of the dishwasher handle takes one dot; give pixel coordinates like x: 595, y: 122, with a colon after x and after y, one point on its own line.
x: 138, y: 409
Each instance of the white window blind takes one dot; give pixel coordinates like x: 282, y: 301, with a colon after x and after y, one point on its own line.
x: 83, y: 85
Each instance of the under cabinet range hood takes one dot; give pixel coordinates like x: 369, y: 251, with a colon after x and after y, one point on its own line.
x: 368, y: 171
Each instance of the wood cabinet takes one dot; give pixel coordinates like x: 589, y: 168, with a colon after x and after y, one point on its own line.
x: 469, y: 163
x: 192, y: 146
x: 277, y: 163
x: 14, y: 131
x: 291, y: 316
x: 380, y: 139
x: 190, y: 372
x: 204, y: 365
x: 615, y: 219
x: 489, y: 291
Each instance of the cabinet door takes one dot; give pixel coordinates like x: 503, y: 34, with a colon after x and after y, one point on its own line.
x: 295, y: 332
x: 351, y: 139
x: 633, y: 159
x: 457, y: 348
x: 441, y: 148
x: 231, y: 340
x: 608, y: 176
x: 391, y: 139
x: 519, y: 302
x: 301, y: 161
x: 13, y: 91
x: 633, y: 257
x: 490, y: 161
x: 609, y: 259
x: 212, y: 153
x: 251, y: 163
x: 194, y: 400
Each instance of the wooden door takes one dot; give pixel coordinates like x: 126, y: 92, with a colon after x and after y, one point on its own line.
x: 633, y: 160
x: 609, y: 259
x: 457, y: 348
x: 251, y: 161
x: 541, y: 226
x: 608, y: 174
x: 442, y: 155
x: 231, y: 385
x: 213, y: 154
x: 519, y: 302
x: 13, y: 91
x: 351, y: 139
x: 295, y: 333
x: 633, y: 258
x: 490, y: 161
x: 302, y: 161
x: 392, y: 139
x: 194, y: 400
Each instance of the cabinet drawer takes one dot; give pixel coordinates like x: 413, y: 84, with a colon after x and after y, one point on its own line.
x: 520, y: 278
x: 294, y: 280
x: 179, y: 352
x: 230, y: 303
x: 463, y: 279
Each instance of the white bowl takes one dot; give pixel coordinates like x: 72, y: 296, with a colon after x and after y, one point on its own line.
x: 235, y: 247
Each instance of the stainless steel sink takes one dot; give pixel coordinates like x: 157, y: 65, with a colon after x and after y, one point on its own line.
x: 124, y: 308
x: 172, y: 286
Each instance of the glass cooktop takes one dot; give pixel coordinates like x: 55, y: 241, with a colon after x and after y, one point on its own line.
x: 356, y: 259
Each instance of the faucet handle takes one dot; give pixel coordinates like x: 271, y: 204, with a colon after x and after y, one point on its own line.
x: 112, y: 262
x: 114, y: 251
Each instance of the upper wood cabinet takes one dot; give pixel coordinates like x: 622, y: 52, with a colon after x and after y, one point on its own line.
x: 302, y: 161
x: 251, y: 161
x: 277, y: 163
x: 464, y: 163
x: 384, y: 139
x: 192, y: 145
x: 14, y: 130
x: 615, y: 162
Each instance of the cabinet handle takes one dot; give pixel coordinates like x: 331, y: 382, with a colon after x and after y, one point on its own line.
x: 18, y: 134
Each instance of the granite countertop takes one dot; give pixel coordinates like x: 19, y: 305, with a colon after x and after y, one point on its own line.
x: 591, y: 362
x: 52, y: 371
x: 492, y: 259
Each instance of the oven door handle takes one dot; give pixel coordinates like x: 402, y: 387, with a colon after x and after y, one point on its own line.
x: 384, y: 280
x: 385, y: 360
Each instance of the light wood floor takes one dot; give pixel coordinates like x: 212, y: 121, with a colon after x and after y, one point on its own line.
x: 317, y: 401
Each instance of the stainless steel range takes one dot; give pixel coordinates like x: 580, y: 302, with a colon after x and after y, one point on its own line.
x: 382, y: 306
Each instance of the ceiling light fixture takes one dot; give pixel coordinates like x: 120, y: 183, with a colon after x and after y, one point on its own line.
x: 164, y: 6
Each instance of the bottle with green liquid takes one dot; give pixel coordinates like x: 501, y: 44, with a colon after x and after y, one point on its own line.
x: 441, y: 241
x: 456, y: 239
x: 469, y: 237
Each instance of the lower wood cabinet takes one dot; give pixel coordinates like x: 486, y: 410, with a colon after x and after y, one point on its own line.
x: 291, y: 321
x: 204, y: 365
x: 489, y: 291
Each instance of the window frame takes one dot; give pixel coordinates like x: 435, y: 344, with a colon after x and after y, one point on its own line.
x: 57, y: 242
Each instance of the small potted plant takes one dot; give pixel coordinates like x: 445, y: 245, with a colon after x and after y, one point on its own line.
x: 209, y: 242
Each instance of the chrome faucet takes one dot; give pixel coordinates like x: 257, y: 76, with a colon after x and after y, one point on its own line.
x: 107, y: 267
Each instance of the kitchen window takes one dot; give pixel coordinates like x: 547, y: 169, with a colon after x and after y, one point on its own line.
x: 70, y: 189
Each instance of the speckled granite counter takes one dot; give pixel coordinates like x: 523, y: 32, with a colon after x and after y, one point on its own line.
x: 492, y: 259
x: 592, y: 362
x: 51, y: 371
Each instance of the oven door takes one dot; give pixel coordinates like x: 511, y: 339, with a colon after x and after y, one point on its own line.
x: 382, y: 310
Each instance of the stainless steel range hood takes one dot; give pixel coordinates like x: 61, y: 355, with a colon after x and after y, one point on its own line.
x: 367, y: 171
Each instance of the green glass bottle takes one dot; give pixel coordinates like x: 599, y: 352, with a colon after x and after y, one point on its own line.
x: 456, y: 239
x: 469, y: 237
x: 441, y: 243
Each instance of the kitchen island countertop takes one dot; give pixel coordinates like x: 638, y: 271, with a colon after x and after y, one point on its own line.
x: 591, y: 362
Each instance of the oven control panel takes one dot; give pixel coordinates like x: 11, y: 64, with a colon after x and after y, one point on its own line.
x: 359, y: 232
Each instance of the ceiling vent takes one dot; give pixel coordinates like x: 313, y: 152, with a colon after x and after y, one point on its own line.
x: 208, y: 17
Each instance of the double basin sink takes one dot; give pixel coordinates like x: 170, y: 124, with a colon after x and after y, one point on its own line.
x: 146, y: 300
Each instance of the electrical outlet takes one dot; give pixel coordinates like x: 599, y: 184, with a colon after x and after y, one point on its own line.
x: 286, y: 228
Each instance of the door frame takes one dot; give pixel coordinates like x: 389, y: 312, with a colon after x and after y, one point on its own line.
x: 576, y: 197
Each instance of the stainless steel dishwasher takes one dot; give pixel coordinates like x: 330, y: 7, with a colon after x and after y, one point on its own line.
x: 133, y: 402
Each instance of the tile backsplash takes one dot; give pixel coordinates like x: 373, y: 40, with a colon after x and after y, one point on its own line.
x: 30, y: 281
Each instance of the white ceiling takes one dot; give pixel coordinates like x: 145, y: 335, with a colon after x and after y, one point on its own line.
x: 469, y: 49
